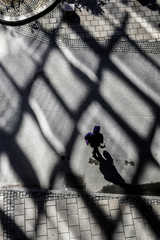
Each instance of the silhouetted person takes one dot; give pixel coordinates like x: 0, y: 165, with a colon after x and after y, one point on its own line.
x: 95, y: 139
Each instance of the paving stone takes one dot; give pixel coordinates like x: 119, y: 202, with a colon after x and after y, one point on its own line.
x: 125, y: 208
x: 141, y: 234
x: 61, y: 204
x: 30, y: 225
x: 84, y: 224
x: 92, y: 218
x: 52, y: 234
x: 29, y: 203
x: 81, y: 203
x: 115, y: 215
x: 52, y: 222
x: 105, y: 210
x: 30, y: 213
x: 19, y: 201
x: 41, y: 217
x: 51, y: 211
x: 64, y: 236
x: 127, y: 219
x: 73, y: 220
x: 156, y: 209
x: 72, y: 208
x: 71, y: 200
x: 119, y: 227
x: 132, y: 238
x: 63, y: 227
x: 62, y: 215
x: 31, y: 235
x: 97, y: 237
x: 113, y: 204
x: 83, y: 213
x: 136, y: 213
x: 119, y: 236
x: 86, y: 235
x: 139, y: 223
x: 51, y: 203
x: 19, y: 209
x: 74, y: 231
x: 95, y: 229
x: 19, y: 220
x: 129, y: 231
x: 41, y: 229
x: 42, y: 238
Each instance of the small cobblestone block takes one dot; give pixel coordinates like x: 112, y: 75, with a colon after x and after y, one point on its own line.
x: 156, y: 209
x: 103, y: 202
x: 86, y: 235
x: 51, y: 211
x: 29, y: 203
x: 30, y: 213
x: 62, y: 215
x: 119, y: 236
x: 74, y: 232
x: 136, y: 213
x: 71, y: 200
x: 73, y: 220
x: 92, y: 218
x: 105, y: 210
x: 52, y: 222
x: 119, y: 227
x: 81, y: 203
x: 64, y: 236
x: 41, y: 229
x: 115, y: 215
x: 72, y: 208
x: 51, y: 203
x: 84, y: 224
x: 52, y: 234
x: 30, y: 225
x: 19, y: 209
x: 83, y: 213
x: 61, y: 204
x: 125, y: 208
x: 95, y: 229
x: 113, y: 204
x: 139, y: 224
x: 19, y: 220
x: 141, y: 234
x: 42, y: 238
x: 63, y: 227
x: 127, y: 219
x: 97, y: 237
x: 129, y: 231
x: 41, y: 217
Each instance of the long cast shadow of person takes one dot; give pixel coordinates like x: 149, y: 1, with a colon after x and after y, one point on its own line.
x: 108, y: 169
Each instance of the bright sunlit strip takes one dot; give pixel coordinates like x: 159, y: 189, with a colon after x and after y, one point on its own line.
x: 91, y: 75
x: 45, y: 127
x: 135, y: 79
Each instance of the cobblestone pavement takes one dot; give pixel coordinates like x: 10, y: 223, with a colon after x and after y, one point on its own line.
x: 61, y: 216
x: 96, y: 23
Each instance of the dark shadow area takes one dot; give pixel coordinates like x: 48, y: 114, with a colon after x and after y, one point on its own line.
x: 108, y: 169
x: 151, y: 4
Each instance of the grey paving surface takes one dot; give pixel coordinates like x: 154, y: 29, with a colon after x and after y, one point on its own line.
x: 34, y: 152
x: 39, y: 215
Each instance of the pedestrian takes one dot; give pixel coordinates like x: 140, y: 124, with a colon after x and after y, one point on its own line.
x: 95, y: 139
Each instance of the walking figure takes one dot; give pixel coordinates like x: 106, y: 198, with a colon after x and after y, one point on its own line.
x: 95, y: 139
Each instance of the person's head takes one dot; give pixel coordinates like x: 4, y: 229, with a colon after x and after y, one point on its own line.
x: 96, y: 129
